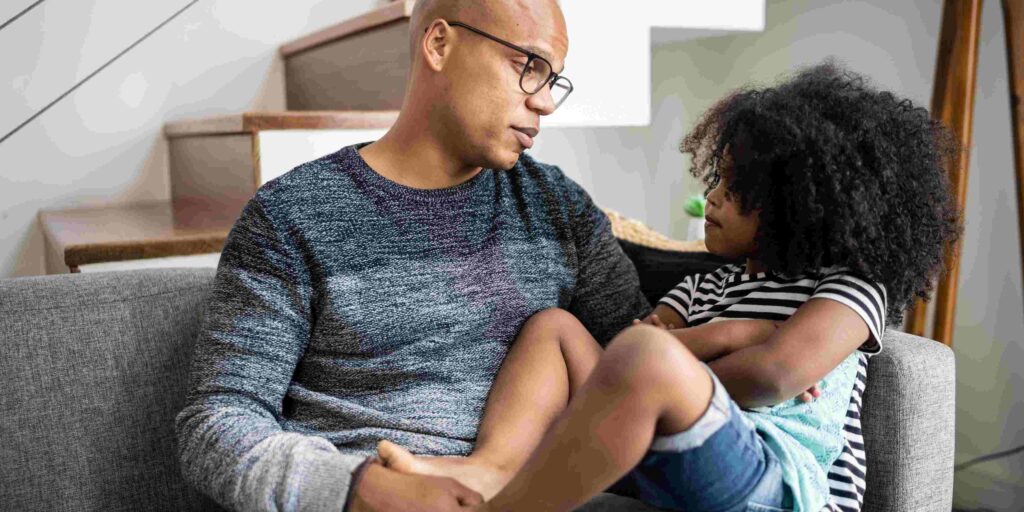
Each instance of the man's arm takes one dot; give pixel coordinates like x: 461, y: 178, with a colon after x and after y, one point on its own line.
x: 231, y: 446
x: 607, y: 297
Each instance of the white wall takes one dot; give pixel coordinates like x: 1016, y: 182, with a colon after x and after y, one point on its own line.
x: 103, y: 143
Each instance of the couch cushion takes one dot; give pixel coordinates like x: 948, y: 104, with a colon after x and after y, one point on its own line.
x: 660, y: 270
x: 94, y: 367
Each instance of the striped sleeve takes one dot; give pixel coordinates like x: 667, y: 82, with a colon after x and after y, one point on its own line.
x: 866, y: 298
x: 680, y: 297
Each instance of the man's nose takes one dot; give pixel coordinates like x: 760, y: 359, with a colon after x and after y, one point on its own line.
x: 541, y: 102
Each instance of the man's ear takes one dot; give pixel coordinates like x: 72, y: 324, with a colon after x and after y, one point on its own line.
x: 436, y: 46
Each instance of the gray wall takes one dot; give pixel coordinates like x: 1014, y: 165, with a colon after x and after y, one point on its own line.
x: 102, y: 143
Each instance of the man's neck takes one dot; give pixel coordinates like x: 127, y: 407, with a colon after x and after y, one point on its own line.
x: 414, y: 158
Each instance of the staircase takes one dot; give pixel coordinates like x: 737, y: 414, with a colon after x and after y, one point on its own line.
x: 343, y: 85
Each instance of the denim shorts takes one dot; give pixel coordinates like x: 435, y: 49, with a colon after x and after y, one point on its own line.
x: 720, y: 464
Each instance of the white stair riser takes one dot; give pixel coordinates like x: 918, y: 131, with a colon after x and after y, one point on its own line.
x: 226, y: 169
x: 282, y: 150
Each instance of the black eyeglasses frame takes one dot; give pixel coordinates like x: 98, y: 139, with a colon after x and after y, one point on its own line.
x: 531, y: 56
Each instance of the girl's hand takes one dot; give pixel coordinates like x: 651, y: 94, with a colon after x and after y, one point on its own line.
x: 810, y: 394
x: 653, y: 319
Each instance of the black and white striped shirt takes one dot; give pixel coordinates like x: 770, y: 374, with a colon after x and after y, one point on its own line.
x: 728, y: 293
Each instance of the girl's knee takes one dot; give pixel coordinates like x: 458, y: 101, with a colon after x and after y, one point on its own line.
x: 552, y: 319
x: 643, y: 340
x: 643, y: 355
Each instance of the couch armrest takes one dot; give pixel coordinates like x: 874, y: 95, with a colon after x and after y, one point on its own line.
x: 908, y: 423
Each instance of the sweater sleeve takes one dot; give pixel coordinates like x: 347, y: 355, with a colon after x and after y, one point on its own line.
x: 608, y: 295
x: 230, y: 442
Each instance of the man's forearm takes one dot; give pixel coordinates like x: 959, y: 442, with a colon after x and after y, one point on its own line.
x: 245, y: 462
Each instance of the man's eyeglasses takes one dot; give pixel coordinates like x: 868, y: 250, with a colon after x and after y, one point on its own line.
x: 536, y: 73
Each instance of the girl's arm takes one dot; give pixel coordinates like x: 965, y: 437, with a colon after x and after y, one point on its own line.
x: 664, y: 316
x: 717, y: 339
x: 711, y: 340
x: 804, y: 349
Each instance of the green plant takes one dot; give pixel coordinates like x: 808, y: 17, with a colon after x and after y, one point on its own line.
x: 694, y: 206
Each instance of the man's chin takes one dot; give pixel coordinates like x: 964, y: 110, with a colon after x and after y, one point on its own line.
x: 505, y: 161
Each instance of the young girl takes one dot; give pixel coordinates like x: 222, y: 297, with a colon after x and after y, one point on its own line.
x: 834, y: 196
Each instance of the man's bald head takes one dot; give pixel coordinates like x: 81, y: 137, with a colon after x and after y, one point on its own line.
x: 465, y: 89
x: 475, y: 12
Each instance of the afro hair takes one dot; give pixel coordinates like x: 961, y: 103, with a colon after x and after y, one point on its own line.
x: 840, y: 175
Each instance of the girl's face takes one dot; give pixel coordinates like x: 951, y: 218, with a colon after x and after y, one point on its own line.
x: 728, y: 232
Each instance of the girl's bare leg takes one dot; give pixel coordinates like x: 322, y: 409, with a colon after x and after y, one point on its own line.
x: 646, y: 383
x: 550, y: 359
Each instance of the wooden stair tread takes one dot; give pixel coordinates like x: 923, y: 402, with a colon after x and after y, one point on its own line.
x: 249, y: 122
x: 137, y: 231
x: 391, y: 12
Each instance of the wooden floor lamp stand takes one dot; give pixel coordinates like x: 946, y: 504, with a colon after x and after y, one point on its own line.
x: 953, y: 103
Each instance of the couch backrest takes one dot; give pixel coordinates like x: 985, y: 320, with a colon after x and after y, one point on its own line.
x: 94, y: 367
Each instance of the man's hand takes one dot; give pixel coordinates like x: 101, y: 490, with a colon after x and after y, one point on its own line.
x: 383, y: 490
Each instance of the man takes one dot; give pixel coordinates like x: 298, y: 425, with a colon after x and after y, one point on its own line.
x: 373, y: 293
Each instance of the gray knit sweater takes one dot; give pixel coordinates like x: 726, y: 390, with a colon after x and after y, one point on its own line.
x: 348, y: 308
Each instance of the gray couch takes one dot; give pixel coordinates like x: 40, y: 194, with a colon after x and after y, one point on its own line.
x: 93, y: 369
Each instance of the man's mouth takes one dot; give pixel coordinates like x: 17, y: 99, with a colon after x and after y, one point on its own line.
x: 525, y: 135
x: 710, y: 221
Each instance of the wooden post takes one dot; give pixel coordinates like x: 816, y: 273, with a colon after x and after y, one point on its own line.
x: 953, y: 104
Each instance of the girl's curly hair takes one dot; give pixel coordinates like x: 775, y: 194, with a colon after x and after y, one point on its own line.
x: 841, y: 174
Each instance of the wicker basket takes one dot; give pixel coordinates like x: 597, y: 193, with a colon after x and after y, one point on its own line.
x: 631, y: 230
